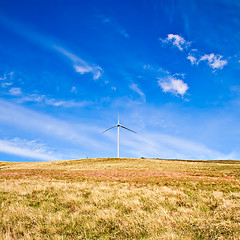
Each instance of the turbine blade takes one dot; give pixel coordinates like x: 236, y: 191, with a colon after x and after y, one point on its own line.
x: 109, y: 129
x: 127, y: 129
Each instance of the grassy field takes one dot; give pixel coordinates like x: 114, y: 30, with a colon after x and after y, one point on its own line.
x: 120, y: 199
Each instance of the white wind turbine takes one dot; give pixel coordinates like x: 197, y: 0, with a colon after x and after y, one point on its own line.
x: 118, y: 126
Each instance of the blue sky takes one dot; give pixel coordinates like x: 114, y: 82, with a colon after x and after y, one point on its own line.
x: 169, y: 68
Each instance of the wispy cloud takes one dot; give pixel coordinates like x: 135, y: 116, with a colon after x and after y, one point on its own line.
x: 164, y: 71
x: 74, y: 89
x: 173, y: 85
x: 115, y: 25
x: 136, y: 89
x: 79, y: 64
x: 6, y: 79
x: 66, y: 104
x: 6, y: 76
x: 6, y: 84
x: 155, y: 69
x: 176, y: 40
x: 192, y: 59
x: 45, y: 125
x: 148, y: 67
x: 21, y: 97
x: 28, y: 97
x: 169, y: 131
x: 45, y: 41
x: 15, y: 91
x: 151, y: 144
x: 30, y: 149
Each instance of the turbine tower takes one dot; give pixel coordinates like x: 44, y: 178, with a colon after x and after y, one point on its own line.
x: 118, y: 126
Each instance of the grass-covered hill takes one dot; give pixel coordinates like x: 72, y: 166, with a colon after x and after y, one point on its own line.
x: 120, y: 199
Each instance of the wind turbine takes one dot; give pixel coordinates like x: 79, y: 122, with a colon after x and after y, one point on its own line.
x: 118, y: 126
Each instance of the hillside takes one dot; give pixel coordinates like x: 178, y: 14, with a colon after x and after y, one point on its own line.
x: 120, y: 199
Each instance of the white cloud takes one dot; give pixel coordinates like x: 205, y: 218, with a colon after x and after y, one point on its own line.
x: 177, y: 41
x: 82, y: 69
x: 192, y: 59
x: 79, y: 64
x: 214, y: 61
x: 29, y: 149
x: 15, y: 91
x: 136, y: 89
x: 173, y: 85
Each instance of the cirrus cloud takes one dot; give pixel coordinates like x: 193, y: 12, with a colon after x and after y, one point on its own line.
x: 136, y: 89
x: 50, y: 43
x: 21, y: 97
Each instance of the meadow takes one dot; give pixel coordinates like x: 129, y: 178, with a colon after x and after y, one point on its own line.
x: 120, y: 199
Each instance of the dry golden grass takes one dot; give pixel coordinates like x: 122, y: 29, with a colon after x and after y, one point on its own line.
x: 120, y: 199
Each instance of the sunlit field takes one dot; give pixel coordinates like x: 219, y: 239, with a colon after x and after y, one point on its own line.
x: 120, y: 199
